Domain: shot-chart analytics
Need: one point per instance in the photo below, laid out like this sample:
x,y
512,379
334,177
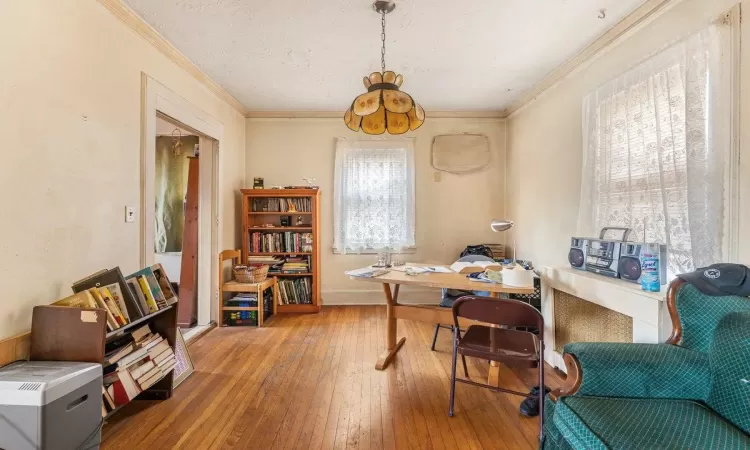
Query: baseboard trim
x,y
16,348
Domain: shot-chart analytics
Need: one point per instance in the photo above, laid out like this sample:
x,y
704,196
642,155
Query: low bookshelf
x,y
284,225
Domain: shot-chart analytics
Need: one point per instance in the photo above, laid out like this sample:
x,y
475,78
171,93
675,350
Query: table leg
x,y
392,347
493,375
259,302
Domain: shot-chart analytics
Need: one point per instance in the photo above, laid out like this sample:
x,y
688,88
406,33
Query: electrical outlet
x,y
130,214
437,176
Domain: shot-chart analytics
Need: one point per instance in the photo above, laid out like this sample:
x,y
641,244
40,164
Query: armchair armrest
x,y
635,371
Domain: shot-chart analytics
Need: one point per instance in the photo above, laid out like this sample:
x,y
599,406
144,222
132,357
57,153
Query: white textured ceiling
x,y
300,55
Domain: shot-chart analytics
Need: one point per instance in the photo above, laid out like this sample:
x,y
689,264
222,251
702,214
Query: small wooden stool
x,y
234,286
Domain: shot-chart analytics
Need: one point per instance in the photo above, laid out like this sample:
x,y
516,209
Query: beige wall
x,y
451,213
545,143
70,93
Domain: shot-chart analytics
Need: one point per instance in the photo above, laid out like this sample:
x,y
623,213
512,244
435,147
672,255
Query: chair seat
x,y
499,344
622,423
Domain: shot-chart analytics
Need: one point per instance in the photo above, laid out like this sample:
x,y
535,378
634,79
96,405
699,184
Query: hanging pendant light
x,y
384,107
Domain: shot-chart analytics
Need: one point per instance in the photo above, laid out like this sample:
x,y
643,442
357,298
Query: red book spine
x,y
119,395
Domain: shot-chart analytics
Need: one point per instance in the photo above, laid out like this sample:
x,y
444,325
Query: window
x,y
656,149
373,196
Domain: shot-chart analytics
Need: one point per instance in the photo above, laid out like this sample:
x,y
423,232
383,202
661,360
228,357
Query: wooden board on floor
x,y
307,381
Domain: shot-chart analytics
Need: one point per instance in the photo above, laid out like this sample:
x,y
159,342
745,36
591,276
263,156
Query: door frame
x,y
156,97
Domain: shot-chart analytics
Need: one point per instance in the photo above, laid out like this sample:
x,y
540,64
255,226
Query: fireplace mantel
x,y
651,323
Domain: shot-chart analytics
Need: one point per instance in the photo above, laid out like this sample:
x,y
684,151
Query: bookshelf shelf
x,y
271,222
239,308
278,213
278,253
130,326
292,309
277,229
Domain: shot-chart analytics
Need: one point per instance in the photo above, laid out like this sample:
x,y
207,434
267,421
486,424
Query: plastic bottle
x,y
650,268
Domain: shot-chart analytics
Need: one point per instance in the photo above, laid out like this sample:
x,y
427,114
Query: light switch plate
x,y
130,214
437,176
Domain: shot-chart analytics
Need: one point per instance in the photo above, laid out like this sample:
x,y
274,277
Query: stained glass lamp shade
x,y
384,107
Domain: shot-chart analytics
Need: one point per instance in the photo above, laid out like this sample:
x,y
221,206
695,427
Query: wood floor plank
x,y
309,382
291,426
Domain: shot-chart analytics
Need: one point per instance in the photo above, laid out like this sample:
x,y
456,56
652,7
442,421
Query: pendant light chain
x,y
382,38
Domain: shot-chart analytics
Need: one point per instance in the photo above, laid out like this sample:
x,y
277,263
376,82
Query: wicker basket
x,y
250,274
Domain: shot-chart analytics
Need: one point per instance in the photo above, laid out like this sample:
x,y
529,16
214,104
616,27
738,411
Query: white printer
x,y
50,405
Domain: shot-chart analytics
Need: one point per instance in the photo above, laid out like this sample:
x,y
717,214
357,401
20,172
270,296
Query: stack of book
x,y
243,299
290,205
295,265
280,242
124,299
141,360
152,288
297,291
267,260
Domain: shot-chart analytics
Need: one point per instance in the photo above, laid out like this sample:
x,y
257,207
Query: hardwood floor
x,y
309,382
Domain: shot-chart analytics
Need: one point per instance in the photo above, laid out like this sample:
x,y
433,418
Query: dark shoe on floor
x,y
530,405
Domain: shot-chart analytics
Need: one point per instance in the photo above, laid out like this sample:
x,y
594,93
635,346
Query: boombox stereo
x,y
613,258
630,262
603,257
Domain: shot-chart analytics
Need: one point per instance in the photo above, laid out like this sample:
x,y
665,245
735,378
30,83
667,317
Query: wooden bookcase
x,y
163,322
259,221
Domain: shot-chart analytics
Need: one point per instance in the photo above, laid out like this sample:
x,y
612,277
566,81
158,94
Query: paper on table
x,y
421,269
366,272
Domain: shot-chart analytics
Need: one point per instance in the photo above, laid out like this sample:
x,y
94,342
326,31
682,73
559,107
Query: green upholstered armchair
x,y
693,392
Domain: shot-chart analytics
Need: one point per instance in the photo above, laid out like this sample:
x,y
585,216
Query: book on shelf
x,y
267,260
276,242
113,281
166,286
141,368
124,299
296,291
139,296
155,287
141,333
108,403
281,204
112,323
137,363
166,354
117,354
112,305
146,290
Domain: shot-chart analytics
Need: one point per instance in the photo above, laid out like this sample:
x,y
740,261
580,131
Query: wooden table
x,y
427,313
234,286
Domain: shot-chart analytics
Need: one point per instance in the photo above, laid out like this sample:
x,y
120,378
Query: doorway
x,y
180,209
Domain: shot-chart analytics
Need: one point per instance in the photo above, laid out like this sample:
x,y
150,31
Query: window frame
x,y
406,144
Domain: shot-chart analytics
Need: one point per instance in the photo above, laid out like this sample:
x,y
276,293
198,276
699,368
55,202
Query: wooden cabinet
x,y
292,217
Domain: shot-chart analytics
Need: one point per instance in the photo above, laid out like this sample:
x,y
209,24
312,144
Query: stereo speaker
x,y
577,253
629,267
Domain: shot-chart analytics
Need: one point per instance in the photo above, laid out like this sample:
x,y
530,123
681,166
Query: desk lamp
x,y
500,225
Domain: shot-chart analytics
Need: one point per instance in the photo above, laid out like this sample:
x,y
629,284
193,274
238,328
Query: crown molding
x,y
340,114
644,14
134,21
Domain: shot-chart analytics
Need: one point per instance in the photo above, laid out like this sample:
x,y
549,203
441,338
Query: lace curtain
x,y
373,196
656,143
